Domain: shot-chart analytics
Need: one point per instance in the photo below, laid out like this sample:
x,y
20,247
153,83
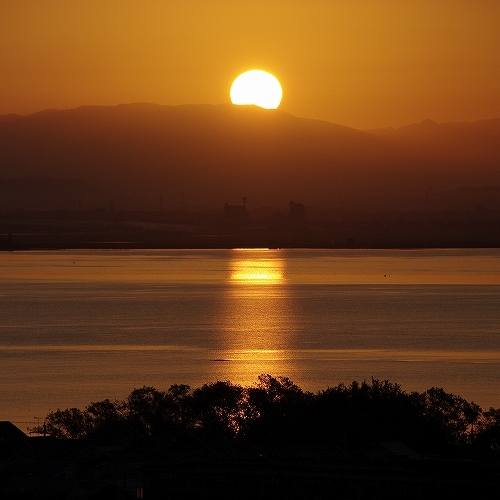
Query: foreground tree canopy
x,y
276,412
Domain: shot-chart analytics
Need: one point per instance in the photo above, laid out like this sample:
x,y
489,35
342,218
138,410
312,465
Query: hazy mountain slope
x,y
42,193
206,155
469,152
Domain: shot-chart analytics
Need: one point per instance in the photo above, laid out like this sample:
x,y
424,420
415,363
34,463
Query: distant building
x,y
235,212
296,211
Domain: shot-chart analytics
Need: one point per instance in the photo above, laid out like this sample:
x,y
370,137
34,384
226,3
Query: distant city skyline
x,y
376,63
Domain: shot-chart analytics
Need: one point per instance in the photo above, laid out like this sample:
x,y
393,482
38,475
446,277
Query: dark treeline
x,y
275,412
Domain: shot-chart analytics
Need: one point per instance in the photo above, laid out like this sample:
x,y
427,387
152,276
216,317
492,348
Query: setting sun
x,y
256,87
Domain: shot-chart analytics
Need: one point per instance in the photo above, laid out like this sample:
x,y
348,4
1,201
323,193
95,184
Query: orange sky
x,y
361,63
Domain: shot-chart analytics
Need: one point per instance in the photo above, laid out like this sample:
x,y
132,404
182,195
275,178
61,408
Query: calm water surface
x,y
80,326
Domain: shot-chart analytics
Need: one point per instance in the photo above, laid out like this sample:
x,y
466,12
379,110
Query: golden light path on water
x,y
261,269
258,320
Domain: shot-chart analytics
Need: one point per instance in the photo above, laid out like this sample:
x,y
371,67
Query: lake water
x,y
81,326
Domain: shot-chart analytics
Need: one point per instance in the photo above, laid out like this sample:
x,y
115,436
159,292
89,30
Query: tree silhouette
x,y
177,406
71,423
365,412
105,413
455,416
488,432
146,410
218,407
276,412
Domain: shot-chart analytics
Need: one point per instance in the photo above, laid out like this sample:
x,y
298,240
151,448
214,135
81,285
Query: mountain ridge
x,y
206,155
144,104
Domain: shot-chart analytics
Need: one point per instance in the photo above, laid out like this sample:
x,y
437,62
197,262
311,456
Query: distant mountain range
x,y
146,156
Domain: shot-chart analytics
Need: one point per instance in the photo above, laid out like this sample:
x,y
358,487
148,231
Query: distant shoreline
x,y
265,228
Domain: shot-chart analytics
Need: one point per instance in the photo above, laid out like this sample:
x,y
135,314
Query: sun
x,y
256,87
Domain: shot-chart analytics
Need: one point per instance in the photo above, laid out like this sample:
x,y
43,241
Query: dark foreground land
x,y
270,441
260,228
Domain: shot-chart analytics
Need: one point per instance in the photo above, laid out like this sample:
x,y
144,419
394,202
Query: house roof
x,y
9,433
387,450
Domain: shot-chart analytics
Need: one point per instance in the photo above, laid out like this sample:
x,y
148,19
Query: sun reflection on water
x,y
257,320
265,271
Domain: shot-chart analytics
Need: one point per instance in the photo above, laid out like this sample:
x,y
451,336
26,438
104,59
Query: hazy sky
x,y
361,63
